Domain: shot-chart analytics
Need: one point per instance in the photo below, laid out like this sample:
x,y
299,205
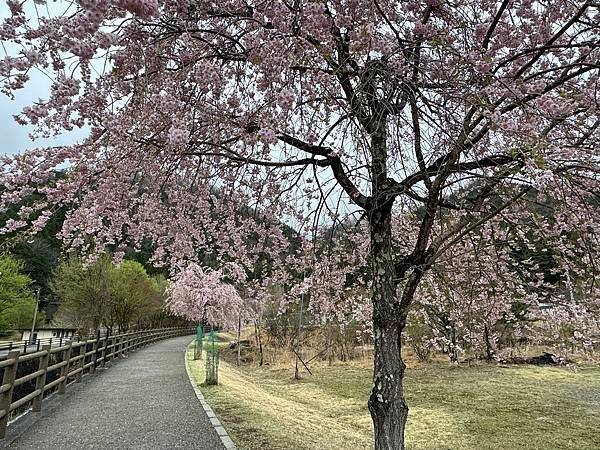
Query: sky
x,y
14,137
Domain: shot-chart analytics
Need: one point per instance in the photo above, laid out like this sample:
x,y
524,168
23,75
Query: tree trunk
x,y
298,336
386,402
239,337
329,343
453,350
388,408
258,342
488,345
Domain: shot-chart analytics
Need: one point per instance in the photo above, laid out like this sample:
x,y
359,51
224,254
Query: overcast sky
x,y
14,137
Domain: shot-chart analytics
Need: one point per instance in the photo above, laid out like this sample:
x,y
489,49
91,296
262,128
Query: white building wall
x,y
47,334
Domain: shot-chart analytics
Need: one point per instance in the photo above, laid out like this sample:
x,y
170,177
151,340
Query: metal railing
x,y
58,367
34,345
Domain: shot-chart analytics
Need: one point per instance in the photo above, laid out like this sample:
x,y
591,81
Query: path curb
x,y
216,423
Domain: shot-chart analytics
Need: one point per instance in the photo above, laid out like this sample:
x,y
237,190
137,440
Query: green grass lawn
x,y
479,407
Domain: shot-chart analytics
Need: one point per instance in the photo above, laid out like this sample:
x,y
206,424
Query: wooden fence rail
x,y
66,364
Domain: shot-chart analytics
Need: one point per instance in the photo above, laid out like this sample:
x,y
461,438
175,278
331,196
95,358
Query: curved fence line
x,y
30,377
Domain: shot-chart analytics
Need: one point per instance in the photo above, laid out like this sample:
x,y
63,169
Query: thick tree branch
x,y
336,167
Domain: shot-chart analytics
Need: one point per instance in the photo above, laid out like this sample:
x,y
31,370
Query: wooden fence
x,y
58,367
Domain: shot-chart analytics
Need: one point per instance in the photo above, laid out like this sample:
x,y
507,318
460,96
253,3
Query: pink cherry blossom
x,y
427,131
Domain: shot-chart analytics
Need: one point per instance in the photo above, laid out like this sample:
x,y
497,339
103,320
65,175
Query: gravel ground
x,y
142,402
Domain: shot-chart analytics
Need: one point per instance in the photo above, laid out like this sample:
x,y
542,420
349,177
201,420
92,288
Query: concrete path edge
x,y
216,423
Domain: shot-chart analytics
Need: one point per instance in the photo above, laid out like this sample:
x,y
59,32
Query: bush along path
x,y
143,402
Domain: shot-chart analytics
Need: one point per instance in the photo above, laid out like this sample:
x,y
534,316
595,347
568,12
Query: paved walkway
x,y
142,402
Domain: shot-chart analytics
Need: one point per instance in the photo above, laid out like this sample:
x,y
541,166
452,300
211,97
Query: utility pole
x,y
37,305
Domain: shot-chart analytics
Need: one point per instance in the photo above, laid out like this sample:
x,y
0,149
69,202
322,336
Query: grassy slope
x,y
484,407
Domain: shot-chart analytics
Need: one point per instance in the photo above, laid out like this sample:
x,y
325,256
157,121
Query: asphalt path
x,y
144,401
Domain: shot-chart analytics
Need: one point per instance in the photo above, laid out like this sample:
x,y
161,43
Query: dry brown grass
x,y
477,407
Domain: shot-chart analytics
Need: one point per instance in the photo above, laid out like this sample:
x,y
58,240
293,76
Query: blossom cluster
x,y
200,295
301,120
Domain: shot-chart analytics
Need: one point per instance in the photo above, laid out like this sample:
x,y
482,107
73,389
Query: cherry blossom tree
x,y
527,275
306,111
203,296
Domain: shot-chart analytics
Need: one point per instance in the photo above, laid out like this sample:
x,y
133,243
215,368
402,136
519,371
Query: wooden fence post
x,y
81,363
107,350
113,348
104,345
94,356
64,371
119,346
40,382
10,373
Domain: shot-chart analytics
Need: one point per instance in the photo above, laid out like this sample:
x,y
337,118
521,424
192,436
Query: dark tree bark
x,y
387,405
329,343
258,342
488,346
452,351
239,344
